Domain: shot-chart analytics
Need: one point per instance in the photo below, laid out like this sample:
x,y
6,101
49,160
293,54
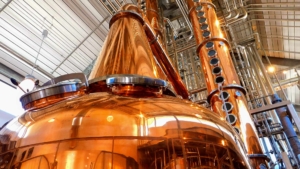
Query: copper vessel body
x,y
243,122
126,51
44,102
106,131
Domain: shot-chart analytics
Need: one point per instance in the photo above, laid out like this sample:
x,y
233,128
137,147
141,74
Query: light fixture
x,y
30,82
26,85
16,83
271,69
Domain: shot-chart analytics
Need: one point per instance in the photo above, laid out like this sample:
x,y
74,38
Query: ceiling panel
x,y
76,32
278,25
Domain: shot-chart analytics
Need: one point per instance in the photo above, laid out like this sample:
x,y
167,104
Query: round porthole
x,y
217,71
212,53
204,27
214,62
219,80
209,45
227,106
200,14
199,8
206,34
202,20
231,119
224,95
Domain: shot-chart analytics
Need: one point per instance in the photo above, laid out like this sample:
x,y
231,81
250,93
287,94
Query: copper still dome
x,y
102,130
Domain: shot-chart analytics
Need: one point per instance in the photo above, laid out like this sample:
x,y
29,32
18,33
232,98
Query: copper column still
x,y
222,81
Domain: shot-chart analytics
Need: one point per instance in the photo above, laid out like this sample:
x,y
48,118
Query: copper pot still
x,y
133,113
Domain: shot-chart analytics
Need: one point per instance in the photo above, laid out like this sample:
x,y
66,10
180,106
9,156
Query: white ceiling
x,y
278,23
76,31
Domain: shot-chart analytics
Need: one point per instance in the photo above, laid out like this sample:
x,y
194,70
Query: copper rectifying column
x,y
226,95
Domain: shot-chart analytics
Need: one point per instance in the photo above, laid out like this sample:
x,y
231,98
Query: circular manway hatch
x,y
55,90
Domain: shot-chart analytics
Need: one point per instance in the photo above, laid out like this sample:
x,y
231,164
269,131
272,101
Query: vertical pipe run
x,y
287,127
211,44
183,11
263,89
281,112
152,14
157,44
173,34
251,75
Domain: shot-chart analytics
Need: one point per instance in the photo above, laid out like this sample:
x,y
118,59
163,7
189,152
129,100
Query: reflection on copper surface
x,y
153,17
135,91
244,122
44,102
126,50
144,133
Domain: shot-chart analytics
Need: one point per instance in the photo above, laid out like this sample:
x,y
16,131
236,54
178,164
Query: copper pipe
x,y
153,17
165,63
154,32
220,76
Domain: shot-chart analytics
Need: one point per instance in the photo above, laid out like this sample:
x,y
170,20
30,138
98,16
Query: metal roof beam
x,y
282,61
14,53
80,43
5,6
8,72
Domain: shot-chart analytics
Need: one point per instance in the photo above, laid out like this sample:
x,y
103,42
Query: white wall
x,y
5,117
10,105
